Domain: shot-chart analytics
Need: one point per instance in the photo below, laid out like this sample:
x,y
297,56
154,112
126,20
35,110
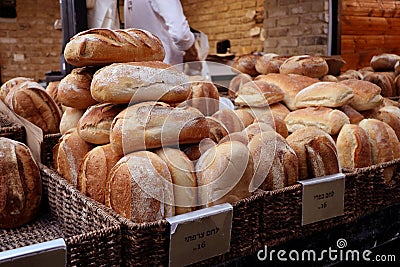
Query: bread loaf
x,y
350,74
384,61
397,68
258,93
230,120
70,119
32,102
95,47
123,83
204,97
275,162
354,116
391,116
269,63
256,128
329,78
316,152
246,64
74,89
94,170
385,82
183,178
217,130
95,124
140,188
224,174
237,136
194,151
52,90
366,94
12,84
335,64
353,147
68,155
245,117
153,125
20,184
275,122
307,65
237,82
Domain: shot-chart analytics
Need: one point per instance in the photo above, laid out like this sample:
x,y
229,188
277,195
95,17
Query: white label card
x,y
323,198
52,253
200,235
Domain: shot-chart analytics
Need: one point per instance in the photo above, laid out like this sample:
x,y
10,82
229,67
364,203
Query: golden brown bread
x,y
275,162
367,95
307,65
269,63
153,125
217,129
11,85
140,188
52,90
20,184
224,174
245,117
237,136
328,78
31,101
391,116
95,124
74,89
353,147
183,177
384,61
70,119
316,152
275,122
236,82
204,96
384,81
256,128
258,93
354,116
230,120
194,151
123,83
104,46
94,170
279,110
245,64
350,74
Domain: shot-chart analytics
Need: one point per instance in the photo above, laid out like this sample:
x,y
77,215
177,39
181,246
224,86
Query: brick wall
x,y
29,44
228,19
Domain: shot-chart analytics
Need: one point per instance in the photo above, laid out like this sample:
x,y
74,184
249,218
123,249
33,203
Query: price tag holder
x,y
52,253
200,235
323,198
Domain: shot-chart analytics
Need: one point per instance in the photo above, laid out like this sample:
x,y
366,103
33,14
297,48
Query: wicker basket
x,y
93,237
49,141
11,130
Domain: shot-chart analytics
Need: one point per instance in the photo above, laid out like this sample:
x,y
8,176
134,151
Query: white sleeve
x,y
178,27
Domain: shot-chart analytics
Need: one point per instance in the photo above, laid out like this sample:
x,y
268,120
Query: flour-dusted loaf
x,y
204,96
307,65
70,119
96,47
11,85
367,95
123,83
258,93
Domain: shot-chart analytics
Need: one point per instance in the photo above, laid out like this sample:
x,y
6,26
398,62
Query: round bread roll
x,y
258,93
384,61
275,122
217,129
237,136
316,152
31,101
194,151
153,125
123,83
74,89
324,94
354,116
275,162
68,155
353,147
245,117
279,110
105,46
391,116
20,184
11,85
385,82
52,90
237,82
183,177
95,124
307,65
256,128
328,78
269,63
350,74
384,144
327,119
255,112
230,120
94,170
366,94
140,188
365,71
204,97
70,119
224,174
335,64
246,64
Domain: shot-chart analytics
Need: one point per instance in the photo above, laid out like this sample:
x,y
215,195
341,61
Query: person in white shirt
x,y
165,19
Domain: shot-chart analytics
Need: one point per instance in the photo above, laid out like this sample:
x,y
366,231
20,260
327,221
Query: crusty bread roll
x,y
31,101
353,147
245,117
194,151
94,170
11,85
256,128
385,61
52,90
307,65
230,120
246,64
329,78
275,162
335,64
224,174
204,96
354,116
105,46
153,125
366,94
391,116
275,122
384,143
258,93
291,84
350,74
95,124
324,94
140,188
397,84
183,177
123,83
237,136
279,110
397,68
269,63
327,119
217,129
20,186
68,155
70,119
236,82
385,82
316,152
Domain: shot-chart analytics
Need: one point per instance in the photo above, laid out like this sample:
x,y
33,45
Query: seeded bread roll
x,y
70,119
123,83
366,94
20,184
311,66
105,46
140,188
258,93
